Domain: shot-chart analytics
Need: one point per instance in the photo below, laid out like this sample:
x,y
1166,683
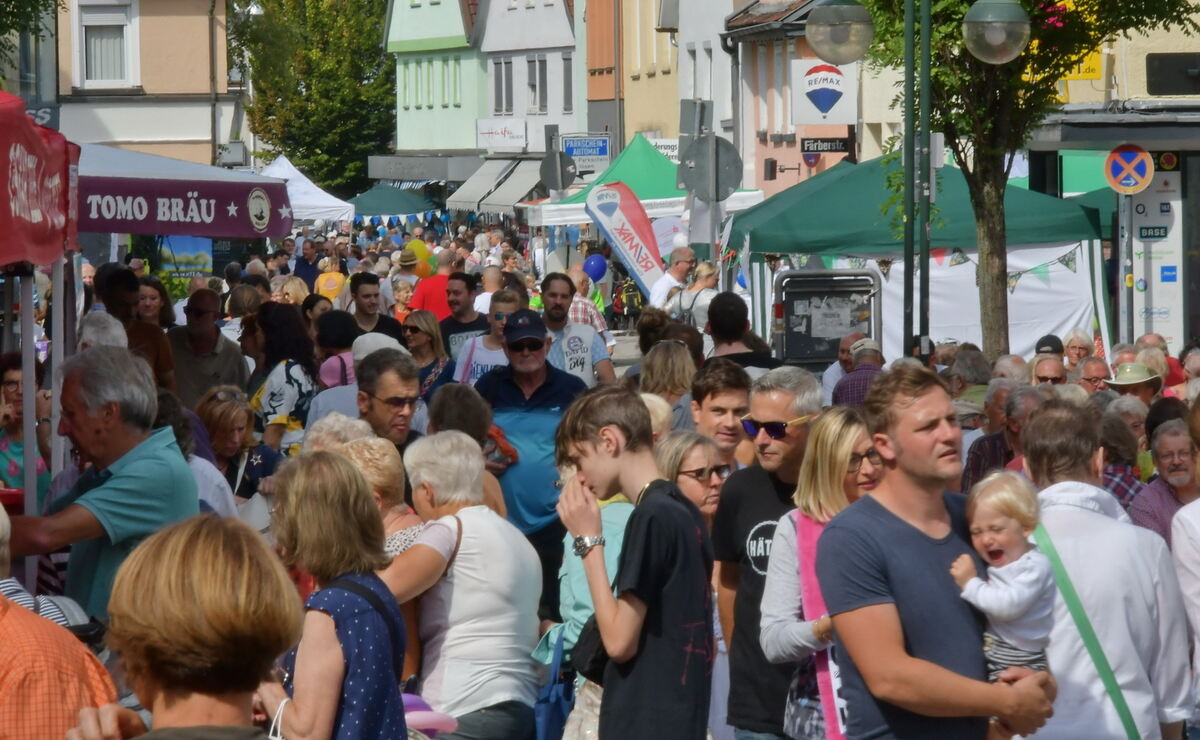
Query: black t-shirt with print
x,y
752,501
455,333
662,693
389,326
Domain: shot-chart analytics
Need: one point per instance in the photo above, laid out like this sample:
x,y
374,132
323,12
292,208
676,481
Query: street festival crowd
x,y
388,487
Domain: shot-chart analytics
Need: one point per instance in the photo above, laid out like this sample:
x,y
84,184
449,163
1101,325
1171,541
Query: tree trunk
x,y
987,199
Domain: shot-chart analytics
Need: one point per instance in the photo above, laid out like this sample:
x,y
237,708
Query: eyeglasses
x,y
398,402
526,345
774,429
498,316
11,385
230,396
1057,380
1099,380
197,312
410,329
705,473
856,460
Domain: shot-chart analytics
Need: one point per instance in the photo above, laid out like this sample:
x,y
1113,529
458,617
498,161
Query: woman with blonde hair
x,y
425,343
226,415
840,465
343,679
199,614
294,290
380,463
667,371
690,305
1077,347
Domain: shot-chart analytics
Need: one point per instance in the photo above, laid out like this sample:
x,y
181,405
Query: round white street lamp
x,y
839,31
996,31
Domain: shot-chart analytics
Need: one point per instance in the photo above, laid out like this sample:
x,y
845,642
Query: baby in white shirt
x,y
1018,595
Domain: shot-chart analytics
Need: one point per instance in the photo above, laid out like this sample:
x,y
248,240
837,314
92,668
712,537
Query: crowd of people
x,y
331,497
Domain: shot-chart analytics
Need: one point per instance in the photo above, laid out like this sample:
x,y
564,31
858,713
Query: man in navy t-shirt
x,y
909,648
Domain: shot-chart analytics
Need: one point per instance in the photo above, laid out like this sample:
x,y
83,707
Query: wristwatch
x,y
584,544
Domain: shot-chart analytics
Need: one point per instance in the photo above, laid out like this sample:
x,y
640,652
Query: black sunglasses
x,y
774,429
398,402
409,329
526,345
703,474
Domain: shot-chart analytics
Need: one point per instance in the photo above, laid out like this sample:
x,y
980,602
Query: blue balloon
x,y
595,267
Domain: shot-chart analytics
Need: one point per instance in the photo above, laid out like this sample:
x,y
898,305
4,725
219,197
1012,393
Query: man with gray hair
x,y
1175,487
675,276
139,481
783,402
1012,367
1121,354
868,362
998,450
99,329
1125,583
1093,374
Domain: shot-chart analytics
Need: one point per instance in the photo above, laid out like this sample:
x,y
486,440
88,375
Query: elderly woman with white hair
x,y
1077,347
481,581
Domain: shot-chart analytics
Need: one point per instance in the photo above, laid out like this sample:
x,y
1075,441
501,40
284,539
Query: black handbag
x,y
588,657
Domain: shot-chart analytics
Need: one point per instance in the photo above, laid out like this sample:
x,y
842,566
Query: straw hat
x,y
408,258
1135,373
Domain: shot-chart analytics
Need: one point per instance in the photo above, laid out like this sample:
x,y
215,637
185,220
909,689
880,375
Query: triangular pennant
x,y
829,261
958,257
802,260
1068,260
1013,277
939,255
885,267
1041,272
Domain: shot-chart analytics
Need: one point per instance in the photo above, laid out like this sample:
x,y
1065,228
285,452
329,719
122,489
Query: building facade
x,y
151,76
649,67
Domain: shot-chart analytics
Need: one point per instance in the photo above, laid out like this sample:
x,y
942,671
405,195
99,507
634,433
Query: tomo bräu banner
x,y
621,218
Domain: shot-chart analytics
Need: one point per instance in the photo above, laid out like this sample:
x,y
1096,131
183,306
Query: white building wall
x,y
149,121
704,68
525,105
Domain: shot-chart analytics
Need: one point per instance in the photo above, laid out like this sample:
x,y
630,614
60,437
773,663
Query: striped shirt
x,y
43,606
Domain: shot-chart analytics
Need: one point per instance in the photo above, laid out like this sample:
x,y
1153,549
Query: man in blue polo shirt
x,y
139,481
528,397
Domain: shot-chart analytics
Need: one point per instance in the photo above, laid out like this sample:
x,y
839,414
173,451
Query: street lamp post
x,y
994,31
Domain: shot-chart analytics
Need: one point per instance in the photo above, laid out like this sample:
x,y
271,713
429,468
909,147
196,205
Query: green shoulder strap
x,y
1080,617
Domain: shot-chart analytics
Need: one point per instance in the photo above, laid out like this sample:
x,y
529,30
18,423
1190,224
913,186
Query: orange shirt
x,y
46,676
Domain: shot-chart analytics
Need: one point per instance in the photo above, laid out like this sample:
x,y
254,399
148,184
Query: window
x,y
445,63
429,82
568,84
536,83
695,71
417,90
502,87
405,84
107,44
456,83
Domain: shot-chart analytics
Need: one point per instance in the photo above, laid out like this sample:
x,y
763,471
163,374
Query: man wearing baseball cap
x,y
868,361
528,398
1049,345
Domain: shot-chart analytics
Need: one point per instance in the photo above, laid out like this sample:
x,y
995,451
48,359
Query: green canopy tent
x,y
842,211
385,200
1104,200
649,173
843,218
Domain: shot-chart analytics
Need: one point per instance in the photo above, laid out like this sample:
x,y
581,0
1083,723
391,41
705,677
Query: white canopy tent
x,y
545,213
309,202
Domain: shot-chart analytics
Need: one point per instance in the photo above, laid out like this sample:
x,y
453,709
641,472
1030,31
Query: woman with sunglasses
x,y
290,368
482,353
225,413
425,343
693,462
840,465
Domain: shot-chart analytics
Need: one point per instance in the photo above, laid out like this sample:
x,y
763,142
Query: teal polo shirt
x,y
147,489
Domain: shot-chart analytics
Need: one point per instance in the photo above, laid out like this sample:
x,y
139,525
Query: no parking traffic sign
x,y
1129,169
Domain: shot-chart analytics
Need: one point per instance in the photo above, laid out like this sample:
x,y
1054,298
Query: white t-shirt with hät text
x,y
475,359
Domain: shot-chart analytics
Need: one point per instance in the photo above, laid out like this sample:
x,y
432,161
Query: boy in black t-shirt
x,y
658,630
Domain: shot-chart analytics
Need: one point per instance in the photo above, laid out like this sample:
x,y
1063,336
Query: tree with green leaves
x,y
323,85
33,17
987,112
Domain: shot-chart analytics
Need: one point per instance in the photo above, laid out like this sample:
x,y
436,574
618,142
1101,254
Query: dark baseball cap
x,y
1049,344
524,324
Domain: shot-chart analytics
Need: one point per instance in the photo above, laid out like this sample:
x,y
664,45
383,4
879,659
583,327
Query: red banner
x,y
34,165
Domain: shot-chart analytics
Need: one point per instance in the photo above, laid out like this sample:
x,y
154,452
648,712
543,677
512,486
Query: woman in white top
x,y
481,581
691,304
480,354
